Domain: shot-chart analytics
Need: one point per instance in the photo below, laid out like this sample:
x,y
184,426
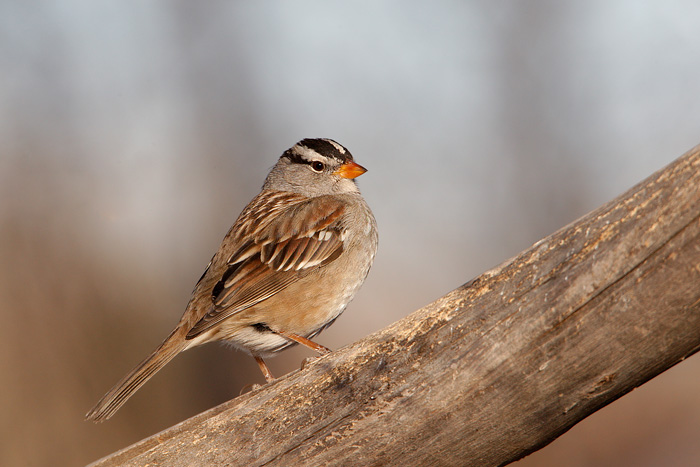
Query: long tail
x,y
128,385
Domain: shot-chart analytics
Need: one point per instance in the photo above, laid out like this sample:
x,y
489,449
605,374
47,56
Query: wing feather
x,y
282,247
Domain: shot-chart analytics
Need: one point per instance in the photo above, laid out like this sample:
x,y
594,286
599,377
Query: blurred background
x,y
133,133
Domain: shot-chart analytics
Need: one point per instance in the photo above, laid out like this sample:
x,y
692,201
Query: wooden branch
x,y
493,370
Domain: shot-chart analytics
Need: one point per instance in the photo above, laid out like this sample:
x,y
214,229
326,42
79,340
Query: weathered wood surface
x,y
493,370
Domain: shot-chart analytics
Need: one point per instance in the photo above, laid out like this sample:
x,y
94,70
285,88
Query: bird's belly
x,y
306,311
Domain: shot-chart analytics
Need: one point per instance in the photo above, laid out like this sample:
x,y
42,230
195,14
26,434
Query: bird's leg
x,y
265,370
304,341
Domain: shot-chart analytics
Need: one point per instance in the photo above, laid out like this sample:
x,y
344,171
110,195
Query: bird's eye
x,y
317,166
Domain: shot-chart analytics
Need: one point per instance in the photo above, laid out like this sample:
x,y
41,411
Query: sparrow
x,y
284,272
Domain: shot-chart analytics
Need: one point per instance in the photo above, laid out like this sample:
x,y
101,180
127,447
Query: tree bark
x,y
492,371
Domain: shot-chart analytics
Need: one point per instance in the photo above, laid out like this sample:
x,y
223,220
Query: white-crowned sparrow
x,y
285,271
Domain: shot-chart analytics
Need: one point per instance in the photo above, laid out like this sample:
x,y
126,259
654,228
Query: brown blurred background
x,y
132,133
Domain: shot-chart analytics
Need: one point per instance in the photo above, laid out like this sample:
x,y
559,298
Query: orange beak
x,y
350,170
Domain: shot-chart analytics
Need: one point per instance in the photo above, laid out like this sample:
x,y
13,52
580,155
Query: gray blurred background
x,y
132,134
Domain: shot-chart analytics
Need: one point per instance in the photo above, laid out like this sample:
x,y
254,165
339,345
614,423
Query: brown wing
x,y
280,249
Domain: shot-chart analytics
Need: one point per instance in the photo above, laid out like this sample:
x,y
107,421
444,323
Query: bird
x,y
287,268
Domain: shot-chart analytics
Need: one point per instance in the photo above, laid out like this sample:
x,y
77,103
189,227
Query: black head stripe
x,y
324,147
293,156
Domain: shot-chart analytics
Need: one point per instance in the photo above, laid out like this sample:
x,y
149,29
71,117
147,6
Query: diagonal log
x,y
492,371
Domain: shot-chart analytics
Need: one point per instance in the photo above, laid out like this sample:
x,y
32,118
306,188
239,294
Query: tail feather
x,y
129,384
